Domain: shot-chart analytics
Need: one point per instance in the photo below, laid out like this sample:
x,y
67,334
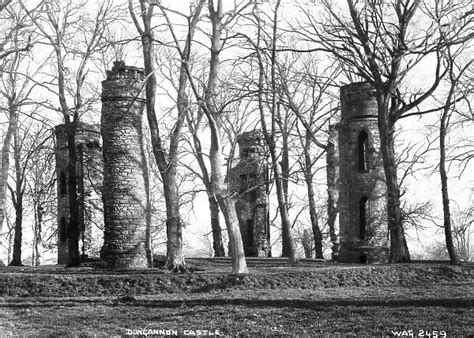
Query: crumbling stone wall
x,y
362,190
249,179
89,180
124,186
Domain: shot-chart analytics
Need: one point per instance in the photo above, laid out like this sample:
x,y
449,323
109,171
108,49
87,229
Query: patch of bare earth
x,y
313,298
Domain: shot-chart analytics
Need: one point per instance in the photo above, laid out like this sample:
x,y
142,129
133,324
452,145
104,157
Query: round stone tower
x,y
251,175
362,191
89,159
123,192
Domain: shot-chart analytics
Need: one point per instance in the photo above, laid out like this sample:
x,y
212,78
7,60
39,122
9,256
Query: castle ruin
x,y
357,164
123,193
361,184
88,173
249,178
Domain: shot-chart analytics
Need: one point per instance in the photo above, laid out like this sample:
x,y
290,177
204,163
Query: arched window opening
x,y
63,229
62,183
363,215
362,150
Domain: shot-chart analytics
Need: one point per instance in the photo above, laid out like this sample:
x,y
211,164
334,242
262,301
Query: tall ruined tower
x,y
361,185
251,174
123,193
88,171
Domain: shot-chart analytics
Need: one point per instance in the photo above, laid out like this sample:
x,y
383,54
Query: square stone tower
x,y
249,178
89,180
361,184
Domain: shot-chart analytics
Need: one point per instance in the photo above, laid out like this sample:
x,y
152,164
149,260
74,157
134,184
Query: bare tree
x,y
270,96
219,21
167,159
236,117
40,191
13,47
381,44
463,232
307,95
57,23
226,202
25,148
17,200
456,92
194,123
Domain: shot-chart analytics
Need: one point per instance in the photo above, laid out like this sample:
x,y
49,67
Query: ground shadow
x,y
246,302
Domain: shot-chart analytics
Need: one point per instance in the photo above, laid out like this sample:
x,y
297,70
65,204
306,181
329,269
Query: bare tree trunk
x,y
225,201
285,157
219,187
285,174
308,175
148,229
443,130
331,179
16,258
17,198
148,225
227,205
5,162
453,257
217,242
4,174
174,227
33,246
398,247
10,246
175,257
38,237
318,236
285,218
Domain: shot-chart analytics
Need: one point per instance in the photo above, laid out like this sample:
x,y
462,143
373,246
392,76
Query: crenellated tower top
x,y
358,100
120,70
251,142
124,83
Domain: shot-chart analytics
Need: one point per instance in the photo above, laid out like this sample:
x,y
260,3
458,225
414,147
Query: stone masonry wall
x,y
252,207
359,114
89,168
124,187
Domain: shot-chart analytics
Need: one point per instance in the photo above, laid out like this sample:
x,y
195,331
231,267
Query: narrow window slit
x,y
363,155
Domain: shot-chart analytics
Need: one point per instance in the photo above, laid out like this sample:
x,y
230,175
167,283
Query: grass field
x,y
275,298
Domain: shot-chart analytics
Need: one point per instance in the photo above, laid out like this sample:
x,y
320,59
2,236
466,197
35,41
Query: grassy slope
x,y
311,299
